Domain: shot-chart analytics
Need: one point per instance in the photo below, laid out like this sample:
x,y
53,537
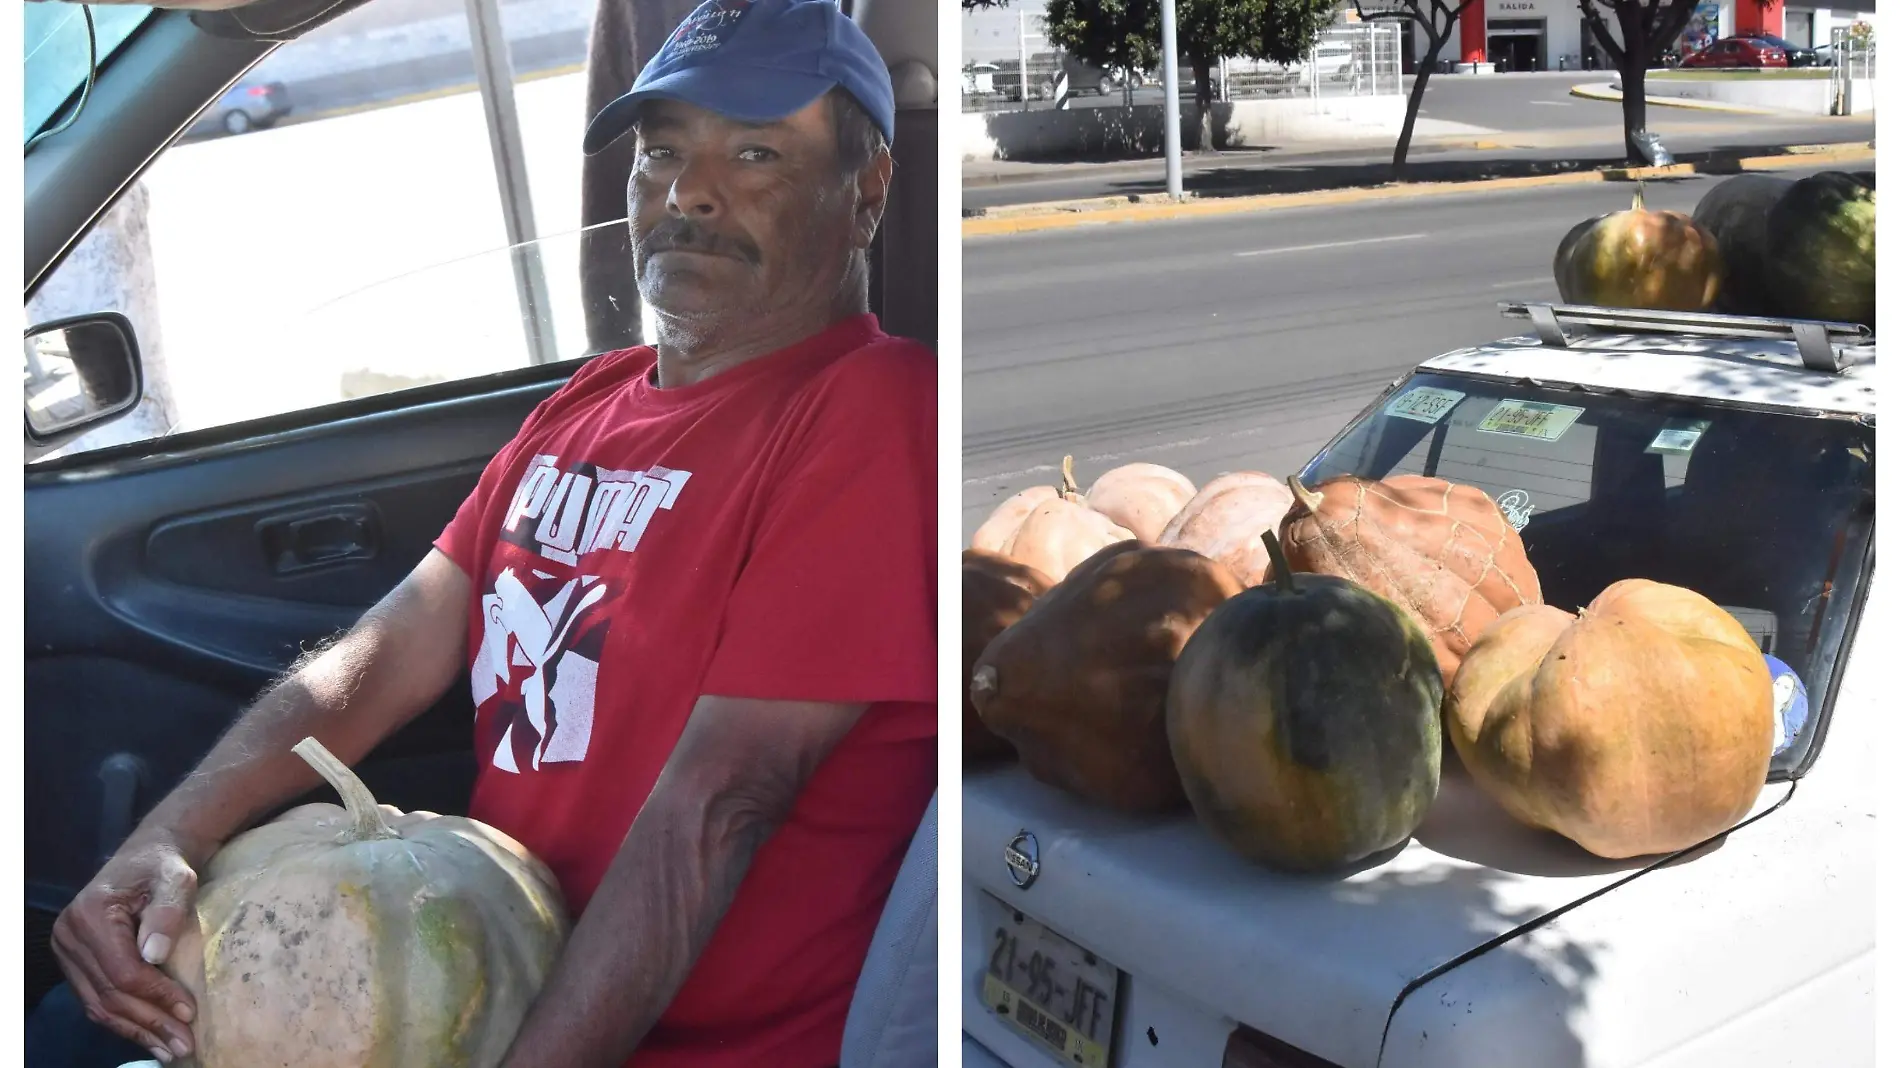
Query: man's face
x,y
738,217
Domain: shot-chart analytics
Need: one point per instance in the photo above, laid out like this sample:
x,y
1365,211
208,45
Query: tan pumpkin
x,y
359,936
1003,523
996,593
1141,497
1079,685
1062,532
1442,550
1225,519
1642,725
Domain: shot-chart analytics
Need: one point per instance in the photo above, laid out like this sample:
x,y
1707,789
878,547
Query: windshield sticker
x,y
1517,507
1791,703
1426,404
1530,419
1678,437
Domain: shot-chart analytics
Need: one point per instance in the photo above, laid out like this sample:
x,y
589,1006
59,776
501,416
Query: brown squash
x,y
1063,531
1639,259
1079,685
996,593
1225,519
1141,497
1643,725
1442,550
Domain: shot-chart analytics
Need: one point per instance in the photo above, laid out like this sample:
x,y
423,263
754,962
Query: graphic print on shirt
x,y
542,633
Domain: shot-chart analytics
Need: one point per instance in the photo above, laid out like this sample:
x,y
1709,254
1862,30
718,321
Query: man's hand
x,y
114,933
732,779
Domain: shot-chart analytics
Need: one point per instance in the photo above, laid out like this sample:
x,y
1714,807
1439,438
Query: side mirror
x,y
80,373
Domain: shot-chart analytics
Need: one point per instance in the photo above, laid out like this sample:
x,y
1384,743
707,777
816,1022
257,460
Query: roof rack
x,y
1814,339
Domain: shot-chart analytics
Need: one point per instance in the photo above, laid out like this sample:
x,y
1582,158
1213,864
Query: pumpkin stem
x,y
1309,499
1282,571
367,822
1636,204
982,685
1070,488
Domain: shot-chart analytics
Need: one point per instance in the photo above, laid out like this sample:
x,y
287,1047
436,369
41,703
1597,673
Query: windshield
x,y
56,55
1769,515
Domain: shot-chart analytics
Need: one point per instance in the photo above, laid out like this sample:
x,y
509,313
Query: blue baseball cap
x,y
756,61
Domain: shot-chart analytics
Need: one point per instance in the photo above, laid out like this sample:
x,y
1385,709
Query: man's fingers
x,y
173,887
96,1011
122,986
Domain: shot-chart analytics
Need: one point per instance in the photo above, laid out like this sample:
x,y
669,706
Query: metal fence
x,y
1851,58
1354,59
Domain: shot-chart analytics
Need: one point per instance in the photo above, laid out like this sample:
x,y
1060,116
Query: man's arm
x,y
396,662
733,778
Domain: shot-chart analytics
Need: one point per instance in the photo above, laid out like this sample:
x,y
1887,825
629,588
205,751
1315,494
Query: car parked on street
x,y
1731,456
244,107
1737,53
1797,55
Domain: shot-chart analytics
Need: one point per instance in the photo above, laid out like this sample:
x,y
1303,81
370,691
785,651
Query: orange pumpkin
x,y
1063,531
1141,497
1642,725
1443,551
1225,519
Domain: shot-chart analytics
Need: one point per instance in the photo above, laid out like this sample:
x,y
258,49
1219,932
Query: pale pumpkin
x,y
1062,532
1141,497
1442,550
1003,523
1079,685
1643,725
996,593
1225,519
363,936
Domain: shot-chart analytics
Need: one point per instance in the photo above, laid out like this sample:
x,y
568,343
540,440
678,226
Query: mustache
x,y
689,236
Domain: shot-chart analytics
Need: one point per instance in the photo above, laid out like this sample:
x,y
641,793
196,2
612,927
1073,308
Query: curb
x,y
1029,218
1609,92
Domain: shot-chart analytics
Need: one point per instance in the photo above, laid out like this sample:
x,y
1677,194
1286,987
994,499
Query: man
x,y
694,595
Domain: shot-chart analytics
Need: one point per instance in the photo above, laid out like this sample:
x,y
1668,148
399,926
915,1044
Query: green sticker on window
x,y
1530,419
1678,437
1426,404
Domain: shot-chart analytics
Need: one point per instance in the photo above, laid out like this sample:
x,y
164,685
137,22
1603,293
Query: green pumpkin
x,y
1821,243
1304,720
1639,258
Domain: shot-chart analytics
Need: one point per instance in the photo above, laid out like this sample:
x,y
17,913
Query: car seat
x,y
892,1022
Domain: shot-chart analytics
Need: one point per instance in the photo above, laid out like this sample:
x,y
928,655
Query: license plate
x,y
1061,995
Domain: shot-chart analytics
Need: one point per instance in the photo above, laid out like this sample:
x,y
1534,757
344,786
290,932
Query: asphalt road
x,y
1238,342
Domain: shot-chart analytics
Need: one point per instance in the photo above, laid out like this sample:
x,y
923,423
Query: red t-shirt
x,y
766,533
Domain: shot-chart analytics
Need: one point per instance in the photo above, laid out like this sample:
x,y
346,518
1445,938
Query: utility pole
x,y
1171,105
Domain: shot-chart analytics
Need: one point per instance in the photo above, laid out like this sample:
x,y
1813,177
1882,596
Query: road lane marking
x,y
1555,103
1539,280
1329,244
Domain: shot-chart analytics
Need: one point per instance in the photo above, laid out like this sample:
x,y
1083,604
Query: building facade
x,y
1553,34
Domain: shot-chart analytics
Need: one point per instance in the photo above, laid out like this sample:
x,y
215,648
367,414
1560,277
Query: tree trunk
x,y
1636,51
1204,100
1417,99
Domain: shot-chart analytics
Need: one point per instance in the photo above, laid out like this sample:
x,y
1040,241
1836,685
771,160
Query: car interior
x,y
168,582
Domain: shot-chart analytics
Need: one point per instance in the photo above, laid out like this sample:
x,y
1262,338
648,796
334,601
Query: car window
x,y
332,227
1766,514
57,58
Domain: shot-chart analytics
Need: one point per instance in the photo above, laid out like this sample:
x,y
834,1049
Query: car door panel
x,y
157,605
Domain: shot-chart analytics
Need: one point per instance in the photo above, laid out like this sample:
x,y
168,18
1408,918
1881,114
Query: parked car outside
x,y
244,107
1739,53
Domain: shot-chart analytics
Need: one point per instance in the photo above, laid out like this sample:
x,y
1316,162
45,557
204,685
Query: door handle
x,y
322,537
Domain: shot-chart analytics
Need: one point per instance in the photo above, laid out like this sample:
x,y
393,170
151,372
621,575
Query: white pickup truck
x,y
1732,456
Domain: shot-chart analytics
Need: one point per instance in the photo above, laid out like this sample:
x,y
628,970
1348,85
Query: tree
x,y
1648,28
1437,18
1103,32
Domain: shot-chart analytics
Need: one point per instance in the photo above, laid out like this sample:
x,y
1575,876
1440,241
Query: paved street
x,y
1243,341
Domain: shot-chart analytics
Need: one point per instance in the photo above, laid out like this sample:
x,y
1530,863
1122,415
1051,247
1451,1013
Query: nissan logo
x,y
1021,856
